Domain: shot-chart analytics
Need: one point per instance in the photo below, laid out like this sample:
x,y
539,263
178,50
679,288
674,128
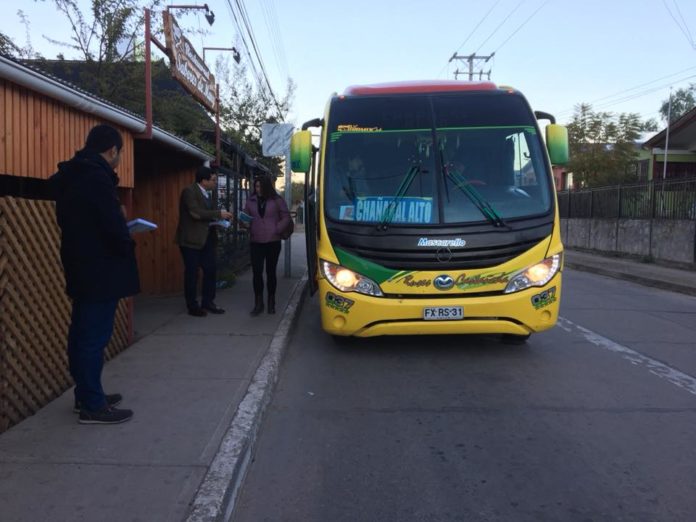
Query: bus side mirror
x,y
301,151
557,143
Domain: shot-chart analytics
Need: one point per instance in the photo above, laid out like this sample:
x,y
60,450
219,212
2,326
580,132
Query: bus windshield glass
x,y
434,159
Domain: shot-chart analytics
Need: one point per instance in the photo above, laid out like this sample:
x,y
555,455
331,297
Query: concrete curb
x,y
216,496
656,283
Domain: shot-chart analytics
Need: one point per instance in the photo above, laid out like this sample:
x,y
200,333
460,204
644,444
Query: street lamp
x,y
235,53
209,15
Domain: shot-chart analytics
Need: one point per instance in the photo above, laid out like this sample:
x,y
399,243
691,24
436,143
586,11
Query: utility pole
x,y
669,122
471,59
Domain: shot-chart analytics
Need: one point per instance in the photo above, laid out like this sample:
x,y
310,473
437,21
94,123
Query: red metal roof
x,y
414,87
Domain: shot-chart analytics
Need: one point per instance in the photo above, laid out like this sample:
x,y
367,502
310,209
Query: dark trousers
x,y
90,330
267,253
205,259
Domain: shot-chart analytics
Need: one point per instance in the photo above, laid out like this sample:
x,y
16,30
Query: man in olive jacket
x,y
197,240
98,256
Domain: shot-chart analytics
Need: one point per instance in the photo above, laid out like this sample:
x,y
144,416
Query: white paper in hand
x,y
220,223
140,225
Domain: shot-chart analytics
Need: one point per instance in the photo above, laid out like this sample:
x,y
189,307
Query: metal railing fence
x,y
657,199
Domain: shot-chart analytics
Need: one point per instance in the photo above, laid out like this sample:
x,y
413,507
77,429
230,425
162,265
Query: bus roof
x,y
415,87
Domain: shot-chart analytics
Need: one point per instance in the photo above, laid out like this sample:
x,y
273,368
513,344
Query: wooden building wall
x,y
36,133
35,312
160,176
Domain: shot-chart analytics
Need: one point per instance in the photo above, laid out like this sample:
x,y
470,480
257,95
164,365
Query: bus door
x,y
310,220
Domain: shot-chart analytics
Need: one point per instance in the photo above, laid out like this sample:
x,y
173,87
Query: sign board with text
x,y
187,67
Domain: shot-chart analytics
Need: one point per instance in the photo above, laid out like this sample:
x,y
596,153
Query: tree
x,y
244,108
683,100
107,43
10,48
109,34
603,146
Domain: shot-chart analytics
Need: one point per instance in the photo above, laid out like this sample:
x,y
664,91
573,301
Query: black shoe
x,y
271,304
113,399
258,306
213,309
197,312
107,415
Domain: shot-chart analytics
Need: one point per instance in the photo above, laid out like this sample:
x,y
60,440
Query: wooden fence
x,y
34,311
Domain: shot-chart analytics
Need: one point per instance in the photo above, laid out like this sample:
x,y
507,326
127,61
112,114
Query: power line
x,y
686,26
470,34
250,61
521,26
250,31
500,25
276,25
625,91
684,31
643,93
261,77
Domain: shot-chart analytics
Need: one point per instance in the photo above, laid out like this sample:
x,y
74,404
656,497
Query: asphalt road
x,y
593,420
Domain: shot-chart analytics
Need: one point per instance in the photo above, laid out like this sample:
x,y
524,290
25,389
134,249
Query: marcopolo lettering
x,y
456,242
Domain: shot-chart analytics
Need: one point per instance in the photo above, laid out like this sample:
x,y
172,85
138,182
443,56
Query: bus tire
x,y
515,339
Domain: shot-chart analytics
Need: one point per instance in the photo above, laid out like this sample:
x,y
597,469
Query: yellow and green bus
x,y
430,208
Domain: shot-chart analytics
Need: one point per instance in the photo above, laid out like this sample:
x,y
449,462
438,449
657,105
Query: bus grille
x,y
428,259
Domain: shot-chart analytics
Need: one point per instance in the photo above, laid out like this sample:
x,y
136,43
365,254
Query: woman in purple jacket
x,y
270,218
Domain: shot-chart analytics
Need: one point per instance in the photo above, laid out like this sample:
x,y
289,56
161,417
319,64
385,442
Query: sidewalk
x,y
184,378
197,386
648,274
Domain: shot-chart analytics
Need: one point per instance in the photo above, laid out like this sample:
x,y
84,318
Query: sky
x,y
618,55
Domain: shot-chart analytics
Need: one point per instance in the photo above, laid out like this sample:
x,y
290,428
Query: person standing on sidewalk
x,y
270,217
197,239
98,256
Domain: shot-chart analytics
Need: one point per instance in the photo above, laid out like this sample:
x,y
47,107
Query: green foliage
x,y
683,100
110,31
107,41
7,46
244,109
297,191
603,146
12,48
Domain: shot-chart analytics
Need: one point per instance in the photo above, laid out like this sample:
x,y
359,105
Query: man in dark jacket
x,y
98,258
197,238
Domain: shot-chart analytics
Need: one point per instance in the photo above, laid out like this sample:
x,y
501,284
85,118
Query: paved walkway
x,y
184,378
648,274
198,387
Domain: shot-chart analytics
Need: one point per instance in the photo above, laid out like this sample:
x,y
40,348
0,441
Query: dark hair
x,y
204,173
267,189
103,137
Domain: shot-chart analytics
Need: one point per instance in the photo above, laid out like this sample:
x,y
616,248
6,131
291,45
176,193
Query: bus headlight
x,y
535,275
346,280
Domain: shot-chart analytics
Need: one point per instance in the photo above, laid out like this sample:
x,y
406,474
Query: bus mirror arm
x,y
541,115
316,122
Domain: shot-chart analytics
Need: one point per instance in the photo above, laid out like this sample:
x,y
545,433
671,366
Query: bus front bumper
x,y
522,313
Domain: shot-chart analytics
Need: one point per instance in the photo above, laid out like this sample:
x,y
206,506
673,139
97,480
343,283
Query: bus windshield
x,y
434,159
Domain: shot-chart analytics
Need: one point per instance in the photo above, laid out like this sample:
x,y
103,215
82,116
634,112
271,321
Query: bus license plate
x,y
443,313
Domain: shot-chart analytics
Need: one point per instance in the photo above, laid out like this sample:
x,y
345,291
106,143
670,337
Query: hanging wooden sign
x,y
187,67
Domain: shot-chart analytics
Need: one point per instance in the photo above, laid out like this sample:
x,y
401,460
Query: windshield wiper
x,y
390,211
475,197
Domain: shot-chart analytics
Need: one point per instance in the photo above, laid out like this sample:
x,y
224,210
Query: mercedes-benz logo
x,y
443,282
443,255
